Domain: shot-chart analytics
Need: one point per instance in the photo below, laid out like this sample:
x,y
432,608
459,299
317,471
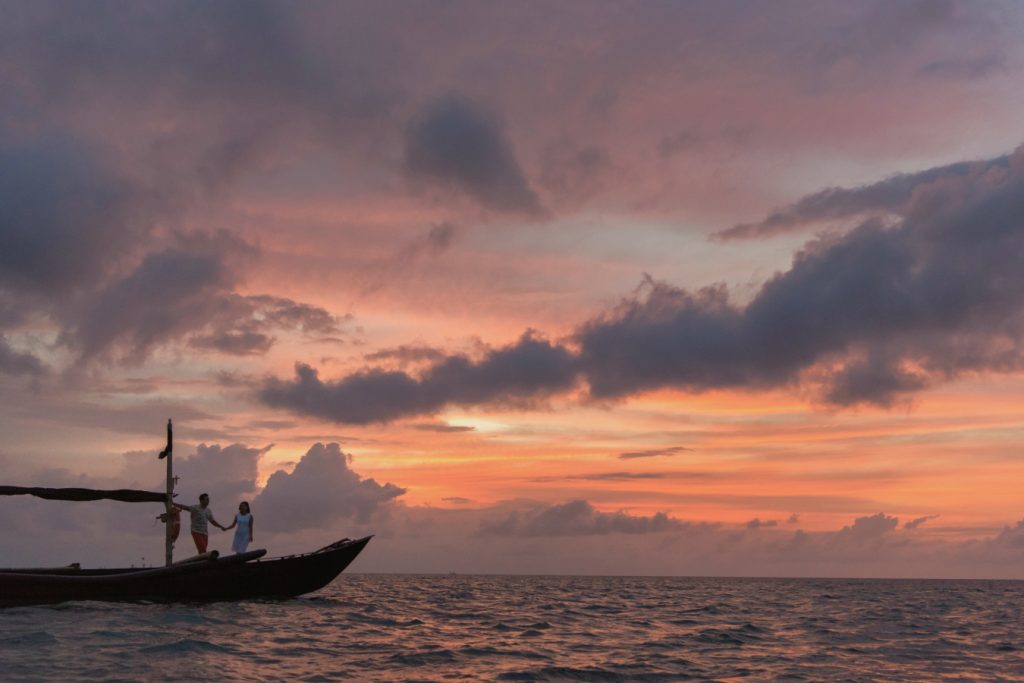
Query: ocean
x,y
539,628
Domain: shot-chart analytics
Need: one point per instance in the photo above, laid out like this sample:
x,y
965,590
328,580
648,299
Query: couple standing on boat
x,y
202,516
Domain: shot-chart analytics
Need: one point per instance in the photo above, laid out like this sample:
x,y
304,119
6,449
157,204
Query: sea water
x,y
539,628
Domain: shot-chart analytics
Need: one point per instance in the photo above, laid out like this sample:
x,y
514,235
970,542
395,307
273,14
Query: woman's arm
x,y
233,523
252,521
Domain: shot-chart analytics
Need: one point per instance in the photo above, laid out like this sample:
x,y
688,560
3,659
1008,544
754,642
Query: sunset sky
x,y
715,288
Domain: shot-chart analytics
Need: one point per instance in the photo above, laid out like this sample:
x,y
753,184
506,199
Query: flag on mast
x,y
167,451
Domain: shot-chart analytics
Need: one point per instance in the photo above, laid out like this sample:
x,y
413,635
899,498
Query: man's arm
x,y
216,523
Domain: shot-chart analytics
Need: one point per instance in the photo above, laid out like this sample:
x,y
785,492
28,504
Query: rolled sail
x,y
76,494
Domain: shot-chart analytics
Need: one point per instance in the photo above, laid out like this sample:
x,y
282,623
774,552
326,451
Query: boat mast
x,y
168,538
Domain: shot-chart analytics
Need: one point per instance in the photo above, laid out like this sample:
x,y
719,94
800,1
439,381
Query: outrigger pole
x,y
169,502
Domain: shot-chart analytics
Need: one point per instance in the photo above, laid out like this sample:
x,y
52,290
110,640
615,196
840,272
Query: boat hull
x,y
235,577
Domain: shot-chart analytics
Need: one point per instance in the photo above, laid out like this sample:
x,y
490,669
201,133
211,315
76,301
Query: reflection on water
x,y
392,628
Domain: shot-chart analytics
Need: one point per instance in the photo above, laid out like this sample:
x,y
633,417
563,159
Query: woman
x,y
243,534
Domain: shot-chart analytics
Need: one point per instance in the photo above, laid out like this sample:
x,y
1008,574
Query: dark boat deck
x,y
233,577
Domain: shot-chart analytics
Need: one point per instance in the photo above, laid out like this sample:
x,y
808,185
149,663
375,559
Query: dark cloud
x,y
915,523
871,315
93,185
572,173
65,216
868,529
234,343
890,196
18,362
457,500
1010,537
758,523
884,28
248,64
876,379
169,294
276,425
440,236
868,316
436,241
407,354
654,452
242,324
522,373
443,428
320,490
576,518
282,313
184,291
966,68
454,142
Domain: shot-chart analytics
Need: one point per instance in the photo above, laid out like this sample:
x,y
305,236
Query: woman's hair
x,y
246,504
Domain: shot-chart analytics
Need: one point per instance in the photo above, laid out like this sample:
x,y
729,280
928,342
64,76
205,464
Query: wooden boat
x,y
231,577
204,578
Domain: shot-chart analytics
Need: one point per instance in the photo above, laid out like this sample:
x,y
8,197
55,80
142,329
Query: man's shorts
x,y
201,541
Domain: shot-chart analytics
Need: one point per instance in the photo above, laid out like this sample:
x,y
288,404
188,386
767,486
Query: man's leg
x,y
201,540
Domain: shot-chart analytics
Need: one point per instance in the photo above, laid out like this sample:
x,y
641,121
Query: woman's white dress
x,y
243,523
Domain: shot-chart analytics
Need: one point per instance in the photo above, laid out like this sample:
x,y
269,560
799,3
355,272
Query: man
x,y
201,515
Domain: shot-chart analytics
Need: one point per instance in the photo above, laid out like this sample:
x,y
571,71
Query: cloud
x,y
521,373
241,326
407,354
284,313
758,523
443,428
890,196
970,68
1010,537
18,362
453,142
868,529
440,236
915,523
227,473
65,215
320,490
876,379
234,343
870,315
572,173
866,317
166,296
654,452
435,242
181,291
576,518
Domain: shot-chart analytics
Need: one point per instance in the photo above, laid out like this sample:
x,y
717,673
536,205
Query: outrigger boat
x,y
207,577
